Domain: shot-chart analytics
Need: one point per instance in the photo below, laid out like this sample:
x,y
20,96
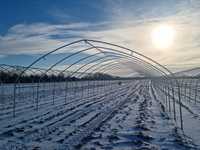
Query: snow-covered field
x,y
121,117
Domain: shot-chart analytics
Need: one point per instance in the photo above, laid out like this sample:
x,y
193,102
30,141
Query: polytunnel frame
x,y
73,64
114,64
168,96
110,63
59,73
86,64
66,69
134,58
168,89
168,72
116,53
97,64
104,66
184,83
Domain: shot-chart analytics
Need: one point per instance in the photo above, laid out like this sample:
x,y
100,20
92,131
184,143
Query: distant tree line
x,y
12,77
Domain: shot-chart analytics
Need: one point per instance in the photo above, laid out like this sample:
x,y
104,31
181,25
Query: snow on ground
x,y
54,124
122,118
141,124
191,118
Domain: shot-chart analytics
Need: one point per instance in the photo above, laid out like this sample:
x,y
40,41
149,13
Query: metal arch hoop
x,y
168,72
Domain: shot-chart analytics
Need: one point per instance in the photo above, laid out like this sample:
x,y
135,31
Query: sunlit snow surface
x,y
123,117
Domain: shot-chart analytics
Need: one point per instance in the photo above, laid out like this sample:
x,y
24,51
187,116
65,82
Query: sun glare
x,y
163,36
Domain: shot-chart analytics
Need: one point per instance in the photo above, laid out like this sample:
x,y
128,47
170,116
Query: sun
x,y
163,36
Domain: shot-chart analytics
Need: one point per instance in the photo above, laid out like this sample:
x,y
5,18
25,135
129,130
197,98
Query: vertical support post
x,y
166,104
69,89
54,92
185,91
196,90
104,85
66,91
94,86
82,89
190,90
75,88
169,99
14,99
37,96
174,103
88,89
180,105
33,95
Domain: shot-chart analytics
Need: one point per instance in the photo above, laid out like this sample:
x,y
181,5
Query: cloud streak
x,y
123,28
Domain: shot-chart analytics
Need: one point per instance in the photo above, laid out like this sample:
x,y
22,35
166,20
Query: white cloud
x,y
2,56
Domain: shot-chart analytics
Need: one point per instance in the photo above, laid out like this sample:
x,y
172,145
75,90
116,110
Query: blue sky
x,y
49,11
30,28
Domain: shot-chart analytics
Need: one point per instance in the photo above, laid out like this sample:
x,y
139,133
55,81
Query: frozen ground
x,y
141,124
122,118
